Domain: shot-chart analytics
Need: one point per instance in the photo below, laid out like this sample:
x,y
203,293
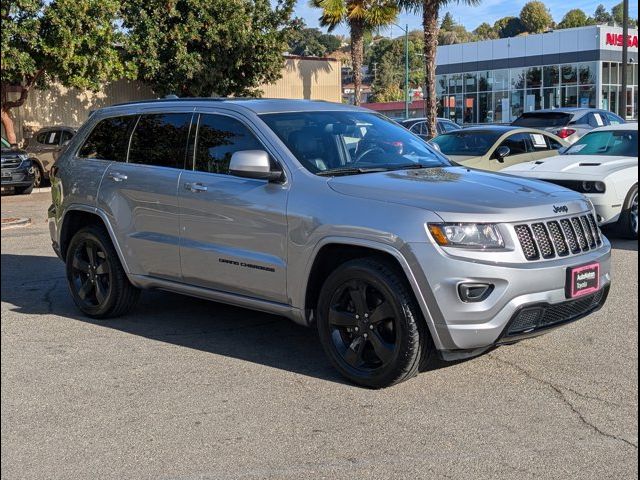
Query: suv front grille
x,y
569,236
11,163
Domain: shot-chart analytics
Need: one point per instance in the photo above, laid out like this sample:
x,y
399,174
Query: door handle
x,y
195,187
117,177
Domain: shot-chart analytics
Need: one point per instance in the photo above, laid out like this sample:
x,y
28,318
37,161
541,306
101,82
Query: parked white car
x,y
603,165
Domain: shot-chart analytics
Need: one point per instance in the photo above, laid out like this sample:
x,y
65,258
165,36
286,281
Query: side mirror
x,y
253,164
502,153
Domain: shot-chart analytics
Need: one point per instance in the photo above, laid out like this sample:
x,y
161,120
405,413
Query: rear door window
x,y
53,137
596,120
109,139
160,140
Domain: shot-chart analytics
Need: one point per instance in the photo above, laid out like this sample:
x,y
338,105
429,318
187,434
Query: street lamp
x,y
407,98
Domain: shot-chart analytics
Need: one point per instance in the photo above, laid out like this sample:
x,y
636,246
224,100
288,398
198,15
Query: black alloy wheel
x,y
98,283
369,324
90,274
363,325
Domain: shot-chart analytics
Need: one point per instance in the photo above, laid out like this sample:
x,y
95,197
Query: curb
x,y
8,223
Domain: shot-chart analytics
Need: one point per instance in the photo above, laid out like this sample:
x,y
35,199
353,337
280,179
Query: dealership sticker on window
x,y
538,140
52,137
599,120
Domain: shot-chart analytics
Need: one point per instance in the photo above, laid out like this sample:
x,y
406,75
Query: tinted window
x,y
466,142
160,140
41,137
543,120
219,137
596,120
450,126
108,140
66,135
554,144
517,143
53,137
614,119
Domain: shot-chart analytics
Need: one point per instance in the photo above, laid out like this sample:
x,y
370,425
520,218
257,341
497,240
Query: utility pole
x,y
625,57
407,96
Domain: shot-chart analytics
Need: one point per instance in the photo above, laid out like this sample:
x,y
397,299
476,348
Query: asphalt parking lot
x,y
188,389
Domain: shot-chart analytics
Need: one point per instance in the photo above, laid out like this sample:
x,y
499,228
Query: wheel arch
x,y
78,216
331,252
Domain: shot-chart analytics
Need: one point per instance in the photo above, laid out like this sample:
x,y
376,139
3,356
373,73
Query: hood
x,y
12,153
573,166
459,194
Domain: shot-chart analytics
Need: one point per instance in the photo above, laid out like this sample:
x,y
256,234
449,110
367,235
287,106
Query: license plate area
x,y
583,280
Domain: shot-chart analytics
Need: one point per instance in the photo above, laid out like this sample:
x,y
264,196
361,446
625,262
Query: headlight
x,y
467,235
594,187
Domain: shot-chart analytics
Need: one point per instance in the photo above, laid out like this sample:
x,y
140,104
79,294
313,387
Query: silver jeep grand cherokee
x,y
327,214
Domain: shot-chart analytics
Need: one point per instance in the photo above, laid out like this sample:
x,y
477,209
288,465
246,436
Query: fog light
x,y
474,292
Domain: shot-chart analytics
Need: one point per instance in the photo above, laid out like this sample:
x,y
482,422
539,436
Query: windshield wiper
x,y
350,171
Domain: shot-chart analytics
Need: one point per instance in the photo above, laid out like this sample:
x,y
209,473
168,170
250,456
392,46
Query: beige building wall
x,y
302,78
309,79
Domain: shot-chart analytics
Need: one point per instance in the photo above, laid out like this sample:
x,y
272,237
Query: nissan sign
x,y
616,40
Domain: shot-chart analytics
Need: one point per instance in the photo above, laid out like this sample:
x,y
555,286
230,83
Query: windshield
x,y
543,120
619,143
466,143
346,143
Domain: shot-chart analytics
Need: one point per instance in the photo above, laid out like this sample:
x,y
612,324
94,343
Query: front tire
x,y
628,223
369,324
98,284
24,190
38,176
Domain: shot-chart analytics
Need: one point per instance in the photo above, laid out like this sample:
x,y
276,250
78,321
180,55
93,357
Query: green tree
x,y
484,31
385,59
361,16
509,27
575,18
208,47
73,42
430,13
601,16
617,13
447,22
535,17
452,32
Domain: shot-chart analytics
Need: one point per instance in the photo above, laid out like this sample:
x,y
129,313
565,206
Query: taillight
x,y
566,132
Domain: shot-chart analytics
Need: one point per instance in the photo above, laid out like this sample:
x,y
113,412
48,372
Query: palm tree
x,y
361,16
430,13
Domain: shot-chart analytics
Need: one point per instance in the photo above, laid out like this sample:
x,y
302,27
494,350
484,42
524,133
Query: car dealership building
x,y
497,80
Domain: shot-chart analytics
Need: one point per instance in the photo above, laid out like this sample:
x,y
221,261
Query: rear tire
x,y
98,284
369,324
628,222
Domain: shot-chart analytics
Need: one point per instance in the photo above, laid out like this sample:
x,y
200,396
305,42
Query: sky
x,y
488,11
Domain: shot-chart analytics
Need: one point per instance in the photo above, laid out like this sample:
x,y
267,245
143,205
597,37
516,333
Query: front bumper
x,y
17,177
608,208
475,327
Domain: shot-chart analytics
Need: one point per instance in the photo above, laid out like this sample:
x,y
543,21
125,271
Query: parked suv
x,y
45,147
17,169
328,214
568,123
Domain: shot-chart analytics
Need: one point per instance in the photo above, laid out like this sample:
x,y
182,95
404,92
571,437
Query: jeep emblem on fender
x,y
562,209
